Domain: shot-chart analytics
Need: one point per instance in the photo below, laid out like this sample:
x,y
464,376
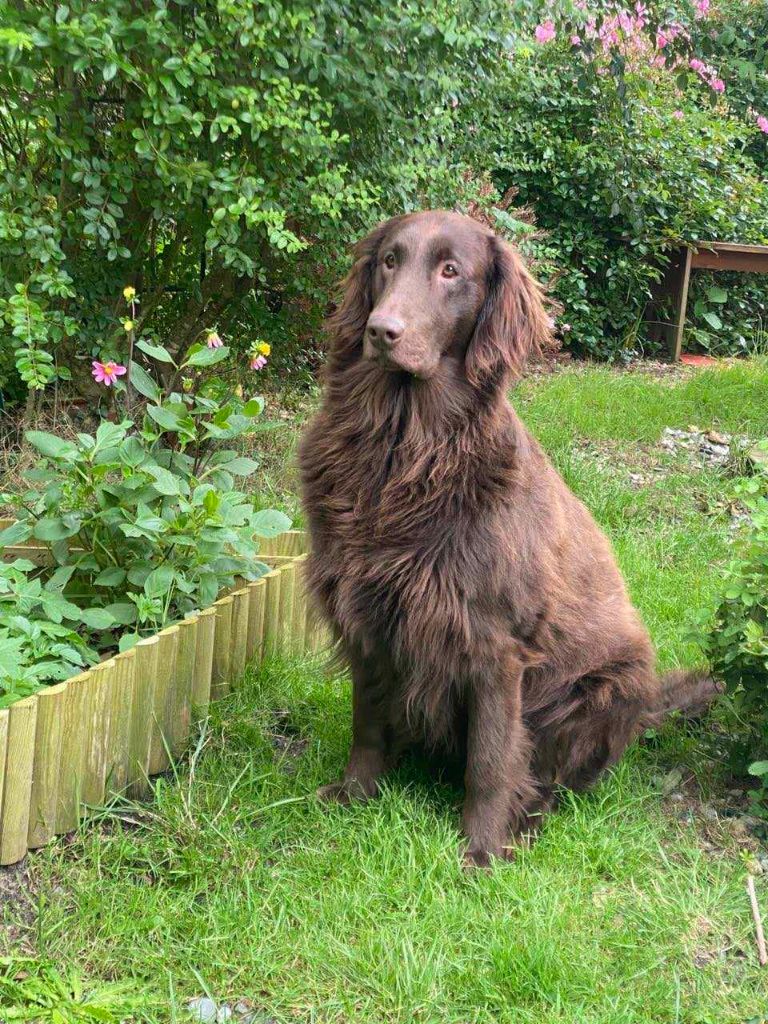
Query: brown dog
x,y
478,604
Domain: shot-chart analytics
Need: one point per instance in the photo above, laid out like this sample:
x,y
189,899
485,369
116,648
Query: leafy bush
x,y
728,313
39,641
218,157
143,524
619,164
737,640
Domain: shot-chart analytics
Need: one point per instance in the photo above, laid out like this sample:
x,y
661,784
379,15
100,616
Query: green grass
x,y
236,882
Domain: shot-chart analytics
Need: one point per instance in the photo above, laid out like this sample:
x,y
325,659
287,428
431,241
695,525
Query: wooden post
x,y
287,594
73,746
147,652
181,706
671,291
256,609
121,704
47,765
299,627
17,788
201,684
239,646
272,581
4,716
96,732
222,648
681,304
163,701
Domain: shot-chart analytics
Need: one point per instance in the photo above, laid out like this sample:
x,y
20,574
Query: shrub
x,y
143,522
615,179
218,157
737,639
39,638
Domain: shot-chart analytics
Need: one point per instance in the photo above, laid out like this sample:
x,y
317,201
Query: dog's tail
x,y
690,692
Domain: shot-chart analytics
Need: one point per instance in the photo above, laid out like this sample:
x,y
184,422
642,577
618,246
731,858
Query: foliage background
x,y
220,156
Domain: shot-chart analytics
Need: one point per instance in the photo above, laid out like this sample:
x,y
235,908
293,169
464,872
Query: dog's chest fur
x,y
400,534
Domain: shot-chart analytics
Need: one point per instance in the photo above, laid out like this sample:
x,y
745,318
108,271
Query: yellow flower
x,y
128,325
263,348
129,293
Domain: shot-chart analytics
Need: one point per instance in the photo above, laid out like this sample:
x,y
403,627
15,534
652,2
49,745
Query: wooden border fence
x,y
106,731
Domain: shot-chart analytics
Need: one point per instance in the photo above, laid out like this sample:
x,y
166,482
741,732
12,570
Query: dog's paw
x,y
475,859
347,791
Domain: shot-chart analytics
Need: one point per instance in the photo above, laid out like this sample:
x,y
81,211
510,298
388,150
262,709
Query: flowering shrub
x,y
143,521
628,132
221,158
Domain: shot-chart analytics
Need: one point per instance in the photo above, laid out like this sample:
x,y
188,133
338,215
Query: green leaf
x,y
112,577
158,352
718,295
143,383
241,466
123,612
50,529
15,534
165,418
269,523
132,452
128,641
110,434
758,768
166,482
97,618
60,578
206,356
51,446
714,321
159,581
253,407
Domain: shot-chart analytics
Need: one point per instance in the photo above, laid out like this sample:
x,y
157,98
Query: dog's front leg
x,y
497,778
370,728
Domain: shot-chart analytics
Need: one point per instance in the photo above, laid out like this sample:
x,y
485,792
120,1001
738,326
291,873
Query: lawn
x,y
630,909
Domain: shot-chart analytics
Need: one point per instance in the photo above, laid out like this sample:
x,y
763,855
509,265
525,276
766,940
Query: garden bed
x,y
105,732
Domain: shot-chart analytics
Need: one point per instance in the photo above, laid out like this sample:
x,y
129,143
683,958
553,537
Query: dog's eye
x,y
450,270
389,260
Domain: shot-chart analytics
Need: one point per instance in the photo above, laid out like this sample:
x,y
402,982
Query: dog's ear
x,y
346,324
512,324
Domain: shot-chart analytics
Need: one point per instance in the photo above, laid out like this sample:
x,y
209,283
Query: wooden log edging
x,y
105,732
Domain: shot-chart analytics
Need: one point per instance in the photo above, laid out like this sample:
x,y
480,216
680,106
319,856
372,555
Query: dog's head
x,y
436,288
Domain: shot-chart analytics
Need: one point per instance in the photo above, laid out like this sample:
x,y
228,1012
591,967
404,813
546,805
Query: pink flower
x,y
698,65
678,115
661,40
718,85
702,8
575,40
107,373
545,32
213,340
258,362
762,123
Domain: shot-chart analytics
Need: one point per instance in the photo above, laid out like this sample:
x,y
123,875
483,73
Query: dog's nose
x,y
384,331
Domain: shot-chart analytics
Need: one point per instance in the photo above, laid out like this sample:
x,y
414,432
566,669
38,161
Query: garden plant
x,y
180,182
143,521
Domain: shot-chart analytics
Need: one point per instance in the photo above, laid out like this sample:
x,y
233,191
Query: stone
x,y
203,1009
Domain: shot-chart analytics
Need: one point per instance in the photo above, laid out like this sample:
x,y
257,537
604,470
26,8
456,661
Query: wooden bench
x,y
674,286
